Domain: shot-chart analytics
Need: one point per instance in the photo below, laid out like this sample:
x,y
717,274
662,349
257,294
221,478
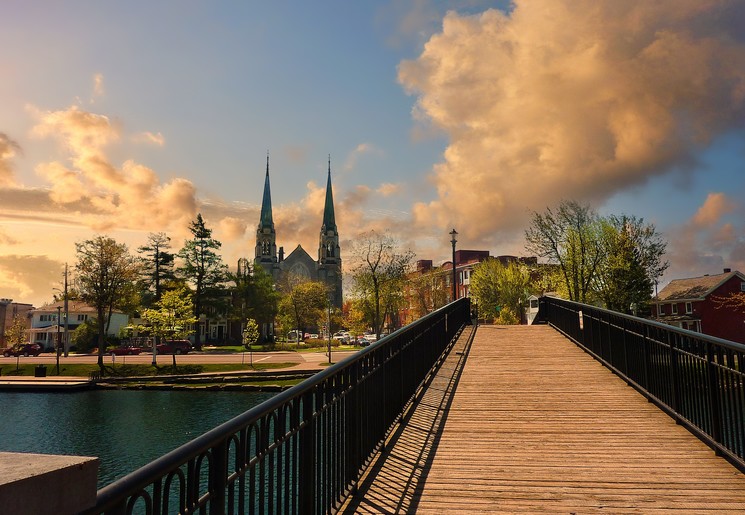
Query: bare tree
x,y
379,273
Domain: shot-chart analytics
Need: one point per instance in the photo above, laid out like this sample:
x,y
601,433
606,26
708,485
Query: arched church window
x,y
265,248
330,248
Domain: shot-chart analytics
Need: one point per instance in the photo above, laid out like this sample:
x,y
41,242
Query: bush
x,y
507,317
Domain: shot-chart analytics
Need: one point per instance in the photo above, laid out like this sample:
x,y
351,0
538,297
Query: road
x,y
304,360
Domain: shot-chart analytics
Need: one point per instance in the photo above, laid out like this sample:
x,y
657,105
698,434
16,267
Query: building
x,y
692,304
326,269
45,328
8,311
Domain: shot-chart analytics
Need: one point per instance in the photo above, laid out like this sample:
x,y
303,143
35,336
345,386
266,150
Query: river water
x,y
125,429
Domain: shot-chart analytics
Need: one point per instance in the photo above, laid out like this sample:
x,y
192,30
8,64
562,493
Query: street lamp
x,y
453,234
59,340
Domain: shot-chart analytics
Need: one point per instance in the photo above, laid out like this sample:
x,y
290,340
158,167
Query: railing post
x,y
674,384
715,410
218,477
307,476
645,356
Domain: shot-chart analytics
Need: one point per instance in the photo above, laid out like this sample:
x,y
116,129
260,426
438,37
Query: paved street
x,y
303,360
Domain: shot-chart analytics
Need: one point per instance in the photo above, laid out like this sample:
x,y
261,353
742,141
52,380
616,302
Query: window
x,y
82,318
742,286
674,309
689,307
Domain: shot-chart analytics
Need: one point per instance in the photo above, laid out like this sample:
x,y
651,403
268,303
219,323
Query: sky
x,y
128,118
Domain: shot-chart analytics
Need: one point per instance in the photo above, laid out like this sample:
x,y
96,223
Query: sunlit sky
x,y
125,118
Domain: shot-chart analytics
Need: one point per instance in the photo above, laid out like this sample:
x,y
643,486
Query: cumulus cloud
x,y
127,196
387,189
8,150
571,99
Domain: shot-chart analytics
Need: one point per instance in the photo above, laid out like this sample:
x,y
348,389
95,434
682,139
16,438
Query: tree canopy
x,y
379,269
106,273
203,269
500,290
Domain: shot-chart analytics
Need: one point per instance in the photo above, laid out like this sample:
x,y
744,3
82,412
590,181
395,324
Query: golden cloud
x,y
8,150
571,99
714,207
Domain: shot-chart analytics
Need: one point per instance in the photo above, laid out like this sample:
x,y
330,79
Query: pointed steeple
x,y
329,221
266,203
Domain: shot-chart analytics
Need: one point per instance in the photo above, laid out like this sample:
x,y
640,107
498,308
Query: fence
x,y
304,450
698,380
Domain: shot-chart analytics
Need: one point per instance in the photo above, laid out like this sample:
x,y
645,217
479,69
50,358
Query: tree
x,y
428,292
106,273
157,266
571,237
304,304
253,294
379,275
633,263
250,333
203,268
16,334
501,290
173,316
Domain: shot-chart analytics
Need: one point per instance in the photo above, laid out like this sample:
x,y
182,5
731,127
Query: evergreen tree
x,y
203,269
253,294
157,267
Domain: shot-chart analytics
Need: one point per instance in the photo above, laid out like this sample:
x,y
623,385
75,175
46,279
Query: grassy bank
x,y
137,370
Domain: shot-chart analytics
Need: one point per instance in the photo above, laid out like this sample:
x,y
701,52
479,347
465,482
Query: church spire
x,y
266,203
329,221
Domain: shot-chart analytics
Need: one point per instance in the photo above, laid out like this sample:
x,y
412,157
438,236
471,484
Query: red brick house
x,y
691,304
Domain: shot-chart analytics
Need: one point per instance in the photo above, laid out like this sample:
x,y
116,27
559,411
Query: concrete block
x,y
41,484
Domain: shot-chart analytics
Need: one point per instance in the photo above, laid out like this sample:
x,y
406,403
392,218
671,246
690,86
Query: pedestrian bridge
x,y
595,413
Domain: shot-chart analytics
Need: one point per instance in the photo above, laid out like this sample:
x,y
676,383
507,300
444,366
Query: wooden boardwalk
x,y
526,422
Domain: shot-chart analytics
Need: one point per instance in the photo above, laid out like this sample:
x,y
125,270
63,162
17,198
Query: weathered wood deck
x,y
529,423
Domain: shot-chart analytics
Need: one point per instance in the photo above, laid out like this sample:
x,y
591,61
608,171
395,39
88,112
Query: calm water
x,y
125,429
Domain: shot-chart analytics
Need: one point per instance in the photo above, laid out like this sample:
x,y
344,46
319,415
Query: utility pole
x,y
67,316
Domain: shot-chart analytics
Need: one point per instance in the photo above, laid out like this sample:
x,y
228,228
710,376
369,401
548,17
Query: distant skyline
x,y
129,118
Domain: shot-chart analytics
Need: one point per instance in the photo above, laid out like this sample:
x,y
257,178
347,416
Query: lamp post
x,y
59,341
453,234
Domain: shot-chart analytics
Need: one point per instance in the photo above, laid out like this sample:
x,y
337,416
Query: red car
x,y
125,350
29,349
174,347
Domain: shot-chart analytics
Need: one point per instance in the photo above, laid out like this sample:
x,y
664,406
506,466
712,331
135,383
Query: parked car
x,y
124,350
363,342
343,338
28,349
174,347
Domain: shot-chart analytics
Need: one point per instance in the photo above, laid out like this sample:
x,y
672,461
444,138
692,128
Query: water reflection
x,y
125,429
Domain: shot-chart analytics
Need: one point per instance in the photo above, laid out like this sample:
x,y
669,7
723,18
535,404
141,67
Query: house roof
x,y
695,287
73,306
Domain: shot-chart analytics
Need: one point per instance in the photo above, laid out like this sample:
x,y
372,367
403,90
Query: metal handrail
x,y
303,450
698,380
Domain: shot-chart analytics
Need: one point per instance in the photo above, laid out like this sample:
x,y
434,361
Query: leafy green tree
x,y
570,236
250,333
501,290
633,262
85,336
16,335
253,294
173,317
379,274
204,270
157,266
304,305
106,272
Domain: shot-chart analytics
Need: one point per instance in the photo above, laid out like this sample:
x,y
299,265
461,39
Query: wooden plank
x,y
536,425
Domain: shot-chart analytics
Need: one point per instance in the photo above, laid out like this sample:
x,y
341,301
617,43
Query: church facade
x,y
299,265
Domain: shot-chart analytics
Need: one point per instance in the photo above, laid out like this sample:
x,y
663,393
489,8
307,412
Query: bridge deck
x,y
536,425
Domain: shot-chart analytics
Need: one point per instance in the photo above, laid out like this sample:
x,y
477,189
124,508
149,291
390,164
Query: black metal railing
x,y
698,380
304,450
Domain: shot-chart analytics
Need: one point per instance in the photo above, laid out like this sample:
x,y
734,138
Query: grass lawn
x,y
83,370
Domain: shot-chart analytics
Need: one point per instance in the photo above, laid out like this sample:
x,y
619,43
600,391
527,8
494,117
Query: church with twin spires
x,y
326,269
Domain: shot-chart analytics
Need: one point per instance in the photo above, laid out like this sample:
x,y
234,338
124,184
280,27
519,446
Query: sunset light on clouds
x,y
129,119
